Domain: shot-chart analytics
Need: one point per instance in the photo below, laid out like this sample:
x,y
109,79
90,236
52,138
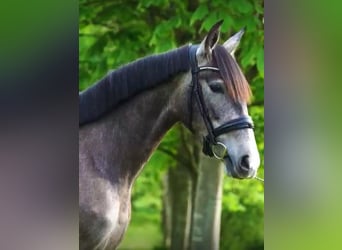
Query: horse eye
x,y
216,88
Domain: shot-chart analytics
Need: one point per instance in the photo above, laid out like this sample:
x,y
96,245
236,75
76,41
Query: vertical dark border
x,y
39,125
303,201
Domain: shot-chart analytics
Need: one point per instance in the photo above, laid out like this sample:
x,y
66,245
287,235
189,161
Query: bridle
x,y
211,146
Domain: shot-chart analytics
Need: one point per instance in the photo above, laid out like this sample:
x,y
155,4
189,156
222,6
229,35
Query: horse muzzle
x,y
240,169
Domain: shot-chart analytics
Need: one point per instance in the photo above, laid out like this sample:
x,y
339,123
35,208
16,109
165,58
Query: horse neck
x,y
131,132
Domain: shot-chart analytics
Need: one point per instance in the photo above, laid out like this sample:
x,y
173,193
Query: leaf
x,y
245,7
98,46
199,14
241,6
210,21
260,62
248,55
258,7
257,86
175,22
228,22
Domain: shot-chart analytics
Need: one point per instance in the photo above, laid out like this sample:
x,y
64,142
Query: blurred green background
x,y
112,33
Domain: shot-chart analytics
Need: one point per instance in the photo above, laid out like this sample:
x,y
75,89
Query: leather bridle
x,y
211,146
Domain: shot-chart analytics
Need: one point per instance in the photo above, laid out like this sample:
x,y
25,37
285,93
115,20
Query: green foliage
x,y
112,33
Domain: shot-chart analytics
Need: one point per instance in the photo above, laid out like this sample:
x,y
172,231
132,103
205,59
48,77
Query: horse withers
x,y
124,116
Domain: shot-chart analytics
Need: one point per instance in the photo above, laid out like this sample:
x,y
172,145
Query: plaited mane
x,y
129,80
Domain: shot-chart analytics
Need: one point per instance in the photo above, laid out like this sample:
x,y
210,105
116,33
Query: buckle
x,y
219,150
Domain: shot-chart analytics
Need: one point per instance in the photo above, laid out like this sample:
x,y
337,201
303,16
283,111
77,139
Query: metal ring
x,y
219,150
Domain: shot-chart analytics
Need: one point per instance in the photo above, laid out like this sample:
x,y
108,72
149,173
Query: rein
x,y
211,146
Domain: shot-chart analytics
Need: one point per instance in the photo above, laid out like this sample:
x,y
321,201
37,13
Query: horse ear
x,y
233,42
209,42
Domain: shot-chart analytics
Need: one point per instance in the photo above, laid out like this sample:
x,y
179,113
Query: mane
x,y
128,81
236,83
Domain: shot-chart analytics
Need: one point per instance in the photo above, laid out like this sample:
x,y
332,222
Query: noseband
x,y
211,146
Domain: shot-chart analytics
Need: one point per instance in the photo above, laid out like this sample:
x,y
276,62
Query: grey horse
x,y
124,116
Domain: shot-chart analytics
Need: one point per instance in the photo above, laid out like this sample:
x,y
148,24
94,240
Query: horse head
x,y
218,95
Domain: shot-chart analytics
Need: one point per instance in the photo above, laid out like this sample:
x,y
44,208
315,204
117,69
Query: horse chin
x,y
230,170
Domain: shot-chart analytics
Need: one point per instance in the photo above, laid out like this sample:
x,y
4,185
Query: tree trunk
x,y
205,233
181,208
178,195
192,199
177,209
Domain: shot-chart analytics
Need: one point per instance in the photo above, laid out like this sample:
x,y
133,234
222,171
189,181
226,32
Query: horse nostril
x,y
244,163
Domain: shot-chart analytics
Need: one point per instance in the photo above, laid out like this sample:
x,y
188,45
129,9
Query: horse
x,y
124,116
